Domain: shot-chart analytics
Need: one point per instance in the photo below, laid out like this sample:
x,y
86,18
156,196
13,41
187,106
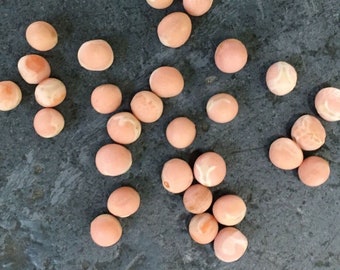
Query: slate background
x,y
50,189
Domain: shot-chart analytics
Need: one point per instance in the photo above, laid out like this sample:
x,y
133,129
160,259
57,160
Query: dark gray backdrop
x,y
50,189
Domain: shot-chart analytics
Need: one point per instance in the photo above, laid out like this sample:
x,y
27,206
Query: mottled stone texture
x,y
50,189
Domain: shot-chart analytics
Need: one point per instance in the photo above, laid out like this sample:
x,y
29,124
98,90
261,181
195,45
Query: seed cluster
x,y
146,107
308,134
106,230
35,69
177,176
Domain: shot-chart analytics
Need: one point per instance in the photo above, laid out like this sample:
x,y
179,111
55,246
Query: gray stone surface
x,y
50,189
